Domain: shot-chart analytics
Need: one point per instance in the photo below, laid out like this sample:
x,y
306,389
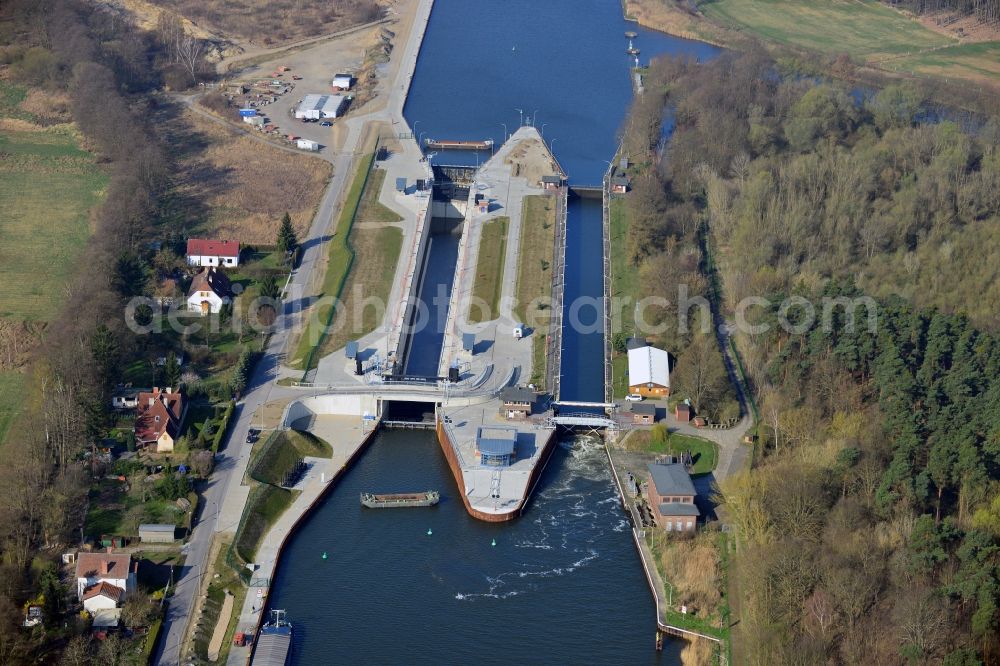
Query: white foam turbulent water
x,y
575,511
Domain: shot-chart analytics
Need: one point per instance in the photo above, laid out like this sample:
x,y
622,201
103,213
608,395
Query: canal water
x,y
563,584
432,311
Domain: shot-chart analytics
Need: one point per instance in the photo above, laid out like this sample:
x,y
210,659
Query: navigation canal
x,y
563,585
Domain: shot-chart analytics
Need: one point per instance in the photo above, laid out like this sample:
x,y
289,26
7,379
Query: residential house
x,y
643,413
158,420
104,579
671,497
516,402
649,372
201,252
210,290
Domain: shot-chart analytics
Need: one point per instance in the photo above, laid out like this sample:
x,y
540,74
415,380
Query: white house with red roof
x,y
104,579
201,252
210,289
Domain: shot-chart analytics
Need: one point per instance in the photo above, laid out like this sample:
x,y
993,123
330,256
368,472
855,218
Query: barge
x,y
459,145
274,643
392,500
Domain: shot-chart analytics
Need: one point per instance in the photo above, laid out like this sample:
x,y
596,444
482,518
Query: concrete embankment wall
x,y
301,518
332,404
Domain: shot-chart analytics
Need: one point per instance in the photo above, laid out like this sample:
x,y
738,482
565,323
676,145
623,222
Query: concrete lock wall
x,y
341,405
450,209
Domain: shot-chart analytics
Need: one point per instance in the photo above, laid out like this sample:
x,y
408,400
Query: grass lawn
x,y
862,28
264,507
47,187
376,250
704,452
115,512
12,384
625,286
283,451
975,62
339,261
533,304
489,271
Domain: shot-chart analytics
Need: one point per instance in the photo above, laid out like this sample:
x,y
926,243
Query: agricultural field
x,y
230,185
862,28
47,187
979,63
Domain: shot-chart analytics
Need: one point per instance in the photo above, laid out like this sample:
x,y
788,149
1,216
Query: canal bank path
x,y
224,496
347,436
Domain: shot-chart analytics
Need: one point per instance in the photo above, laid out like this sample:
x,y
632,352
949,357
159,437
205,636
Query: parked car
x,y
252,435
326,123
633,397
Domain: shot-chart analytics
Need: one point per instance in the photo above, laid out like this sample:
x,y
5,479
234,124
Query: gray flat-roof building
x,y
317,107
156,533
496,445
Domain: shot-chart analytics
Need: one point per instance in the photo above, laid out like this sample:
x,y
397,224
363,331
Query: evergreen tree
x,y
269,287
172,371
287,242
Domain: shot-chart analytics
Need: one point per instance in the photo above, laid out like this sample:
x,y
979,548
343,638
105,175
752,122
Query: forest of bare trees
x,y
987,11
868,529
98,59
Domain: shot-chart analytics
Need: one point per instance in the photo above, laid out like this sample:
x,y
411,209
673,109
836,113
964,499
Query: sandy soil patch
x,y
531,160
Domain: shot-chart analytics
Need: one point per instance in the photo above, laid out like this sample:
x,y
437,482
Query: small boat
x,y
392,500
631,50
631,35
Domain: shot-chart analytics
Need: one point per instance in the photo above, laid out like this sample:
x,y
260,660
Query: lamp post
x,y
415,123
504,132
420,140
542,131
552,149
521,112
534,118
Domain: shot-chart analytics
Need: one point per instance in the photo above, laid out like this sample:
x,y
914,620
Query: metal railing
x,y
553,363
606,222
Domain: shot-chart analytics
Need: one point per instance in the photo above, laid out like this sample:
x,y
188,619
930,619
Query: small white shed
x,y
306,144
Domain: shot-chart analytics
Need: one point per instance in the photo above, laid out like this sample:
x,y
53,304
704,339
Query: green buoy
x,y
324,554
429,532
494,542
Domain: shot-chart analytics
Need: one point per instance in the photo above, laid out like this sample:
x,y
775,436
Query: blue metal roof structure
x,y
496,440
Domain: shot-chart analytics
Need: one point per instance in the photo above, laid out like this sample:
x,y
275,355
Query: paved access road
x,y
224,497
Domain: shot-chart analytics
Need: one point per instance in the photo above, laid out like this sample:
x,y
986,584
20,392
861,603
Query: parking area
x,y
310,71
